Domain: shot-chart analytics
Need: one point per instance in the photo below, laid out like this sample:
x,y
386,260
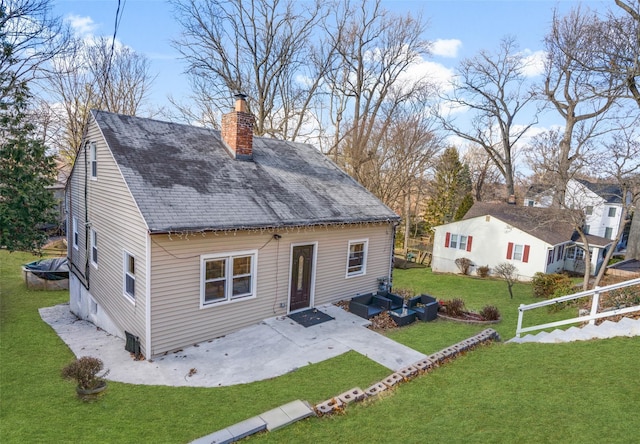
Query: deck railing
x,y
591,317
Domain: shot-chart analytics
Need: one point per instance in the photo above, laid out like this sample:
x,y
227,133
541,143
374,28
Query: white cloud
x,y
435,73
533,62
82,26
446,48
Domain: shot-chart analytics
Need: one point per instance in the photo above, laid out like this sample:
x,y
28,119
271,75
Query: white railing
x,y
591,317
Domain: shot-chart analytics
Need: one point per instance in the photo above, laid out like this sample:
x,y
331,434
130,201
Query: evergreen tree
x,y
467,202
25,171
451,184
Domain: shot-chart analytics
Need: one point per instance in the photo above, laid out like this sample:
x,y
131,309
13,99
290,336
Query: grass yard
x,y
580,392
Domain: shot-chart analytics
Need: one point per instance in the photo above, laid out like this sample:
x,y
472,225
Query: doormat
x,y
310,317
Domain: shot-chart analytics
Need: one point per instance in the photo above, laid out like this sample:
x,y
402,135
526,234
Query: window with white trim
x,y
93,153
575,252
94,247
458,241
608,233
74,235
129,275
612,211
227,277
518,252
357,258
589,210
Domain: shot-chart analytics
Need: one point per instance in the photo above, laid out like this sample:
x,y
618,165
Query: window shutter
x,y
510,250
469,243
446,240
525,254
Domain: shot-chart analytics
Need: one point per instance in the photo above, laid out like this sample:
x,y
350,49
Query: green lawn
x,y
580,392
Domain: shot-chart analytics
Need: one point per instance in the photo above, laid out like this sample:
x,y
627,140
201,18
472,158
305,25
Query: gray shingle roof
x,y
548,224
610,192
183,178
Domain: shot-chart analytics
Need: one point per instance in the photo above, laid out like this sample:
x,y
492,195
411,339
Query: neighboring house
x,y
181,234
58,191
600,202
532,239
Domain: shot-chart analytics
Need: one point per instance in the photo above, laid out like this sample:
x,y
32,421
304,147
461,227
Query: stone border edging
x,y
468,321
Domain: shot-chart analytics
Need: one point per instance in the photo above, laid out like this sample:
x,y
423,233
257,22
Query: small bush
x,y
85,371
464,265
490,313
455,307
404,293
551,285
483,271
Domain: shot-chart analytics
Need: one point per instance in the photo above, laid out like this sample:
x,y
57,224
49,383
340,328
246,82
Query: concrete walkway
x,y
272,348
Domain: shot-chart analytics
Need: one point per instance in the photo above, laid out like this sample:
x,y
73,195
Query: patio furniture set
x,y
423,307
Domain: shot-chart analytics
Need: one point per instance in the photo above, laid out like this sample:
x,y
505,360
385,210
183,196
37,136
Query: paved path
x,y
272,348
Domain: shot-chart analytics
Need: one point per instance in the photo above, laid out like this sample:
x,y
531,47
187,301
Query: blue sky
x,y
460,28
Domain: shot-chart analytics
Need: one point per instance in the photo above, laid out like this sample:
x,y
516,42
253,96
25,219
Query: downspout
x,y
394,225
87,241
147,315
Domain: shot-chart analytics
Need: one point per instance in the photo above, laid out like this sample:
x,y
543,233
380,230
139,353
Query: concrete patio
x,y
272,348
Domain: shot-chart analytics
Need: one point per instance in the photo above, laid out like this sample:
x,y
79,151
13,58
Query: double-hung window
x,y
93,159
227,277
75,232
94,247
129,275
357,258
612,211
518,252
458,241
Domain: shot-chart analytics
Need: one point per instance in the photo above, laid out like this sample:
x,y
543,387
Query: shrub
x,y
490,313
483,271
548,285
85,371
463,264
455,307
404,293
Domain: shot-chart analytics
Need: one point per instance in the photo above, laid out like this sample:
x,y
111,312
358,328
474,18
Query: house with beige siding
x,y
533,239
180,234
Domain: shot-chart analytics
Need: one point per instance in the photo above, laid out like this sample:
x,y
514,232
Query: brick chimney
x,y
237,130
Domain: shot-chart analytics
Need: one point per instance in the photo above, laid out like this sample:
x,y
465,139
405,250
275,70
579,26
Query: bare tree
x,y
623,169
95,77
493,88
406,152
584,98
365,82
482,171
32,36
509,273
260,48
626,43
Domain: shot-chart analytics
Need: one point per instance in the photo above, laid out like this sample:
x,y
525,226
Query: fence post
x,y
595,302
520,316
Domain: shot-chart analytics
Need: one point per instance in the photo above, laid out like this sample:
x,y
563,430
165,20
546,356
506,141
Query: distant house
x,y
532,239
602,204
57,189
180,234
